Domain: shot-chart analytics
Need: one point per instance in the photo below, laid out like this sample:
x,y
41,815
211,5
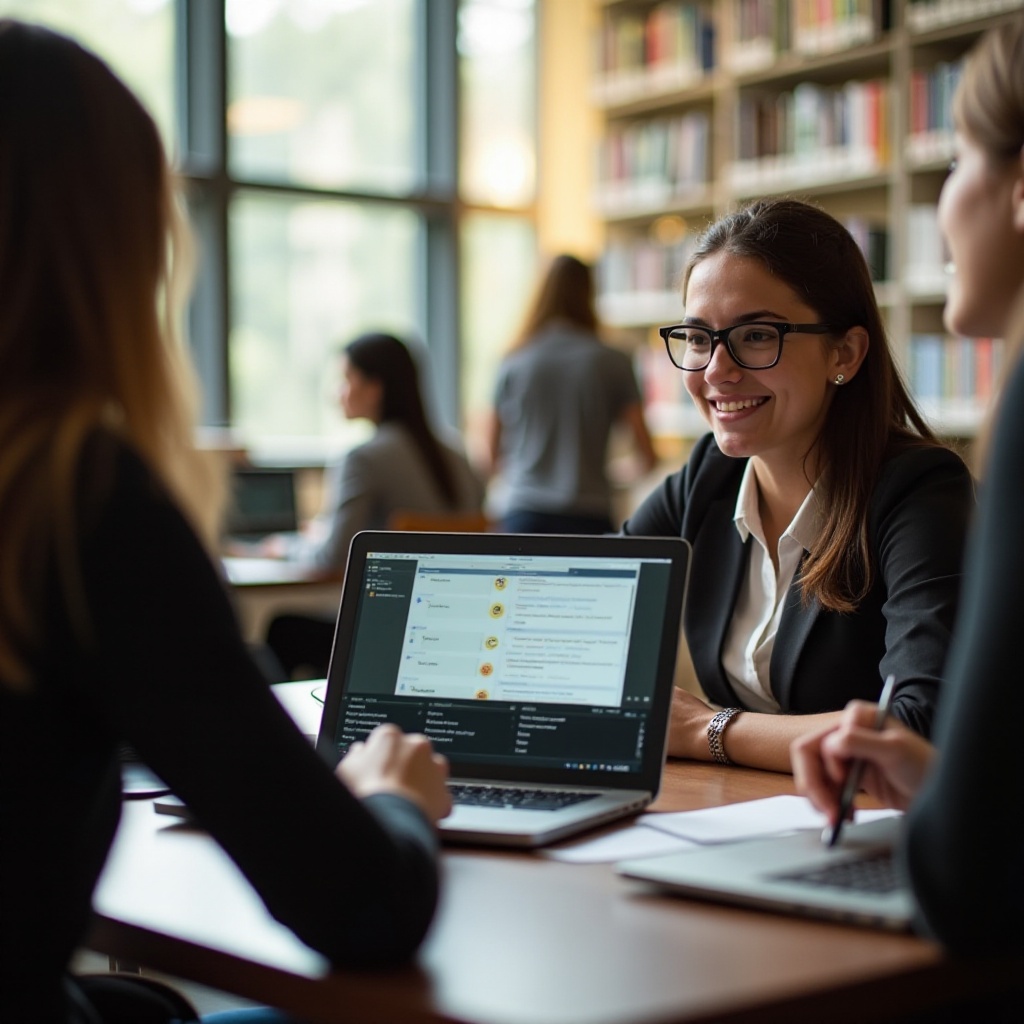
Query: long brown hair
x,y
384,358
564,294
869,416
90,240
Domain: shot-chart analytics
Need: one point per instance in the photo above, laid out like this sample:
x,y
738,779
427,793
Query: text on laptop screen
x,y
508,659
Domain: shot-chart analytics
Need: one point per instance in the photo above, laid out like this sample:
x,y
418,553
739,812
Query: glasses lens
x,y
690,347
755,345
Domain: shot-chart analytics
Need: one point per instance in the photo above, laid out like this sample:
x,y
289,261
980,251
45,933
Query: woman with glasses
x,y
827,521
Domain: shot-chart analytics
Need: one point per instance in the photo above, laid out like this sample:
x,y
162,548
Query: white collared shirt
x,y
750,640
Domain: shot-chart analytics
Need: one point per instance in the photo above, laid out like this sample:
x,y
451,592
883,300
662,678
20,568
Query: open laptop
x,y
541,666
857,881
262,502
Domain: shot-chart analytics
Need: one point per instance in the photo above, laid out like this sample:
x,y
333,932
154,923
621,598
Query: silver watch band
x,y
716,729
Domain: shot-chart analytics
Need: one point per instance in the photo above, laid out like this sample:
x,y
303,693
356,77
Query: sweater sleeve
x,y
356,881
965,846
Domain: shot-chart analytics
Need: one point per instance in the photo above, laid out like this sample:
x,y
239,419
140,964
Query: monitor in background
x,y
262,502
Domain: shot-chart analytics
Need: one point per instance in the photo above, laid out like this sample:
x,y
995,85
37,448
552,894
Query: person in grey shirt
x,y
560,391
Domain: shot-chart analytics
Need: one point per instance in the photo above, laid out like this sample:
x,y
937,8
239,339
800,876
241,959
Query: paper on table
x,y
631,842
732,822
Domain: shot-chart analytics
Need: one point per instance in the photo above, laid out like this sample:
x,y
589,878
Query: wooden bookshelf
x,y
707,104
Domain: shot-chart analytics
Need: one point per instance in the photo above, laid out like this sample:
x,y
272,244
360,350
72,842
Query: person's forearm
x,y
763,741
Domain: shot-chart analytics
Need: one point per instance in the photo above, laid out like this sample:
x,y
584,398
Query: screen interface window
x,y
540,661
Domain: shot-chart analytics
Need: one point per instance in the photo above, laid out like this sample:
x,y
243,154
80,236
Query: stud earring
x,y
840,379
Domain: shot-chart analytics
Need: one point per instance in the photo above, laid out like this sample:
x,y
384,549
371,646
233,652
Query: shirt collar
x,y
803,529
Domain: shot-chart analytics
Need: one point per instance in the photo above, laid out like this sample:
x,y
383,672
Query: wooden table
x,y
521,939
264,587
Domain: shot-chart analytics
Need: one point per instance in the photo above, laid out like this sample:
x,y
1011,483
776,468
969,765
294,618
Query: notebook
x,y
541,666
857,881
263,502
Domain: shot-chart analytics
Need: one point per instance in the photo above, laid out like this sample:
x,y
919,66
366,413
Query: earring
x,y
840,379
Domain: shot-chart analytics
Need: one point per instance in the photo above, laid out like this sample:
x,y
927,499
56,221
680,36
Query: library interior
x,y
359,170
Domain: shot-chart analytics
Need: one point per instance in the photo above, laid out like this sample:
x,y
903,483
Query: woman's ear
x,y
848,353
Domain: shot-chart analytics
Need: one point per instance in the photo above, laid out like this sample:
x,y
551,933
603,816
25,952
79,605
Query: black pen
x,y
831,836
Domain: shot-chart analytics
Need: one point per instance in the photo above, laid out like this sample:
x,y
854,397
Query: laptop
x,y
263,502
857,882
541,666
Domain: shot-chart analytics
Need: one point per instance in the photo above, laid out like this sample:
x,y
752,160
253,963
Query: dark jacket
x,y
918,518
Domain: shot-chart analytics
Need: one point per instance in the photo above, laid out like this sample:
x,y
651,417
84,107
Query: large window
x,y
350,165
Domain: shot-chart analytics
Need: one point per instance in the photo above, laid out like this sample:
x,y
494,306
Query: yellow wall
x,y
568,129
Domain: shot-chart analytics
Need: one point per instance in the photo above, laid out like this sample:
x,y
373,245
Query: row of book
x,y
767,29
665,47
653,163
931,106
927,15
948,368
812,133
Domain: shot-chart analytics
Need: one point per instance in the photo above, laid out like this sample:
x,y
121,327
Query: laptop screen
x,y
263,501
542,657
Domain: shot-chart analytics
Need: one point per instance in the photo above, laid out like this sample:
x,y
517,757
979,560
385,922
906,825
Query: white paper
x,y
747,820
732,822
633,842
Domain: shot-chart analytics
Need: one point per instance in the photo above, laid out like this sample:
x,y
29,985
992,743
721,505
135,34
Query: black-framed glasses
x,y
756,345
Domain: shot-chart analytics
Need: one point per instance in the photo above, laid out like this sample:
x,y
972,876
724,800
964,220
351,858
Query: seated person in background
x,y
560,393
827,522
965,847
404,466
115,626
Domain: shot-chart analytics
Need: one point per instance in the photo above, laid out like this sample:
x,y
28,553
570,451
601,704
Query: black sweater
x,y
167,671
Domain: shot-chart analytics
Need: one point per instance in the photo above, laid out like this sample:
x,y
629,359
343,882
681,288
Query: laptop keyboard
x,y
873,873
521,799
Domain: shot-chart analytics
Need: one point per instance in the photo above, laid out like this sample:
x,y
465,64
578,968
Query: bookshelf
x,y
707,103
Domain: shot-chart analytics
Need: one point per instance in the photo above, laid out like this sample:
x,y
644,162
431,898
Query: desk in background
x,y
263,587
521,939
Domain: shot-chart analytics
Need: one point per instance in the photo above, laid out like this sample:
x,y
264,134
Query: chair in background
x,y
439,522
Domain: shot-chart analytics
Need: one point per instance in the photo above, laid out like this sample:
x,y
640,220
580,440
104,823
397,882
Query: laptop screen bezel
x,y
674,550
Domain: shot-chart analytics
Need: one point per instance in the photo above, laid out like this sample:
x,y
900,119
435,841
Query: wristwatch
x,y
716,728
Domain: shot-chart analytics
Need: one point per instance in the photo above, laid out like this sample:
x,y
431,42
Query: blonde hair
x,y
93,270
989,107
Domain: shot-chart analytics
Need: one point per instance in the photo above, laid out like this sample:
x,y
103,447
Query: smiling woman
x,y
827,522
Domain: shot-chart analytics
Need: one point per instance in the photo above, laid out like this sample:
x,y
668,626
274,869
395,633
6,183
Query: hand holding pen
x,y
831,835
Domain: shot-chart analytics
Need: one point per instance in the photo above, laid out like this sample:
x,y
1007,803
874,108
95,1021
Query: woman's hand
x,y
389,761
896,760
688,726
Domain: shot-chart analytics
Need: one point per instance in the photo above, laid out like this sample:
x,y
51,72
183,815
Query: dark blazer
x,y
918,518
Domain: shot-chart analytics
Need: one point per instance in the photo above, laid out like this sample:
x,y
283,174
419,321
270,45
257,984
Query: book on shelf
x,y
653,163
924,271
931,121
765,30
811,134
872,238
953,378
668,47
928,15
638,280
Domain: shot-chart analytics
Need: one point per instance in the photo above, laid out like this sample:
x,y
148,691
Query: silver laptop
x,y
858,881
541,666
